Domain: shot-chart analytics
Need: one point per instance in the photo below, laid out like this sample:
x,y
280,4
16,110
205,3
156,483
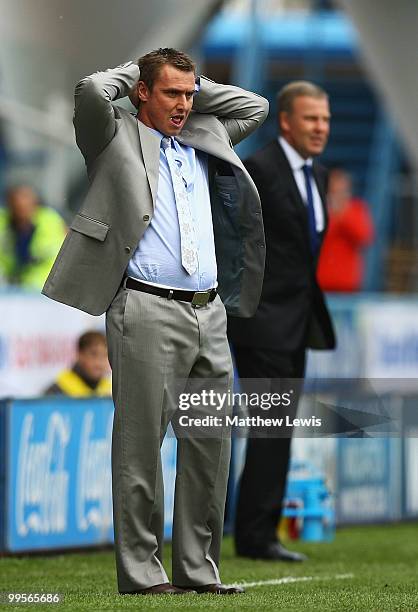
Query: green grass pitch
x,y
372,569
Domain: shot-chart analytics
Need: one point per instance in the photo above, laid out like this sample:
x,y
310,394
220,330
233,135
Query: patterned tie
x,y
187,232
313,234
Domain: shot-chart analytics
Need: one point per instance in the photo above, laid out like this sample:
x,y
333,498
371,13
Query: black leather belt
x,y
197,298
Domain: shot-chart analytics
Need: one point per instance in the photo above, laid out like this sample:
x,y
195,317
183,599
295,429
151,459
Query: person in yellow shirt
x,y
30,238
88,377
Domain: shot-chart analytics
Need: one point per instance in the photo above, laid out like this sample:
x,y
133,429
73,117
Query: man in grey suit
x,y
171,225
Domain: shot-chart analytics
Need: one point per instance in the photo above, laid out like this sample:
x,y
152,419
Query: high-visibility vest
x,y
44,245
73,385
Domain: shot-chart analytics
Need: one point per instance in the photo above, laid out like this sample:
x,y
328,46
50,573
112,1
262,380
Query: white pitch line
x,y
291,579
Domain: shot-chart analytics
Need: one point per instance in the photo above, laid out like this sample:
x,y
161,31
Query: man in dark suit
x,y
292,315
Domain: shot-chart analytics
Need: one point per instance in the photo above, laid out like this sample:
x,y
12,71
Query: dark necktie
x,y
313,234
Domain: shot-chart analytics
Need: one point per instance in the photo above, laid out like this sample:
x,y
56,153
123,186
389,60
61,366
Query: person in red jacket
x,y
350,230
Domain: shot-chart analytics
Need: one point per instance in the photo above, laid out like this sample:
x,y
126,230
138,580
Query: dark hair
x,y
151,63
295,89
90,338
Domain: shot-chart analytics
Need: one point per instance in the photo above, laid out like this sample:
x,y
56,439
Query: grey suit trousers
x,y
153,342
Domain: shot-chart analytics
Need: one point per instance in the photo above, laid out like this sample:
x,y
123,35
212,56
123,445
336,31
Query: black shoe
x,y
216,589
160,589
273,552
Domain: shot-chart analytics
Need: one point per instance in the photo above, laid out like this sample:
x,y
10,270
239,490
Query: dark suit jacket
x,y
292,313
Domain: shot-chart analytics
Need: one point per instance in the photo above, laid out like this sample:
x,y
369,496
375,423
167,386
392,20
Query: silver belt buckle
x,y
200,298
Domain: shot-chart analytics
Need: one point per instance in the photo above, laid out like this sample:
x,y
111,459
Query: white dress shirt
x,y
296,163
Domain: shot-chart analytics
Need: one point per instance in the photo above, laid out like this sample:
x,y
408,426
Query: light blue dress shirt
x,y
157,258
297,162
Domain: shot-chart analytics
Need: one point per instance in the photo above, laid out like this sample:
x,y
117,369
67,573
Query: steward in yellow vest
x,y
89,375
70,383
30,238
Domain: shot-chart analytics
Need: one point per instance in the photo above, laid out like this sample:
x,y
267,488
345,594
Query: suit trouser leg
x,y
201,493
153,342
263,481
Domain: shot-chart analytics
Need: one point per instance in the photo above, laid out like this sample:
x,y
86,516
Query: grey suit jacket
x,y
122,159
